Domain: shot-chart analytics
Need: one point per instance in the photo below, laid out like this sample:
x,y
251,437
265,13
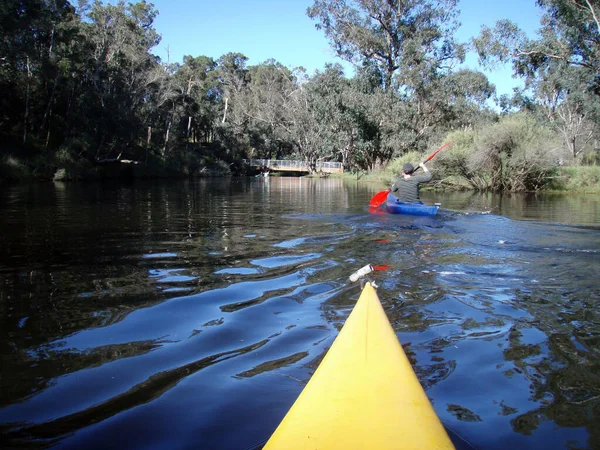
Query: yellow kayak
x,y
364,394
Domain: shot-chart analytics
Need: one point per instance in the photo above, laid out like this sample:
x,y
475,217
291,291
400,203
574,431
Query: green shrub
x,y
584,178
13,169
515,154
591,158
454,160
589,176
61,175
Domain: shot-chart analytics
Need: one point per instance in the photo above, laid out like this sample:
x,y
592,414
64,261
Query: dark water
x,y
184,315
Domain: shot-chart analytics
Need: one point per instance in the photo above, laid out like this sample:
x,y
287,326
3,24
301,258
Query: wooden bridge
x,y
294,166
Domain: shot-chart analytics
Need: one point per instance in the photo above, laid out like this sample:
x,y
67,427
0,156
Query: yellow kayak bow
x,y
364,394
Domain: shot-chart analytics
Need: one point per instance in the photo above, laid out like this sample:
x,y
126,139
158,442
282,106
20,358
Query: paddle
x,y
379,198
433,154
367,270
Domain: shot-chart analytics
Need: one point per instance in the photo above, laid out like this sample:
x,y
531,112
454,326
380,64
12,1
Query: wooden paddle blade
x,y
379,198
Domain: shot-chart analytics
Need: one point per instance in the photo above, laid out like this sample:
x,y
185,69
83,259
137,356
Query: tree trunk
x,y
102,139
68,113
225,112
148,138
49,106
164,149
26,116
48,132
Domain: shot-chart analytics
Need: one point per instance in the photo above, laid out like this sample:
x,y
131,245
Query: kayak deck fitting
x,y
394,206
364,394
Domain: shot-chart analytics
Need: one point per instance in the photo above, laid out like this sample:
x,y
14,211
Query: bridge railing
x,y
296,166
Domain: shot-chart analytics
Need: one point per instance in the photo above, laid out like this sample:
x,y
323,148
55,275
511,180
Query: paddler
x,y
406,188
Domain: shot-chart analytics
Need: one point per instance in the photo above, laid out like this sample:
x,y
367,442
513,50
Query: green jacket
x,y
407,190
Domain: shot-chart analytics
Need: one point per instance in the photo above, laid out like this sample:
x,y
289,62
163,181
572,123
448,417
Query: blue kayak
x,y
394,206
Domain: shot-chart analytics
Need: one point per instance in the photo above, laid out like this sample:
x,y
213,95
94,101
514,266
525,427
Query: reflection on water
x,y
191,314
578,209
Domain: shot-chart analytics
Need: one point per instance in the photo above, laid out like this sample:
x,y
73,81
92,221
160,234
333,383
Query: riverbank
x,y
201,162
77,164
581,179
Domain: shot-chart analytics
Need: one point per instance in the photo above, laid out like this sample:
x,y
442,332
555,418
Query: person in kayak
x,y
406,188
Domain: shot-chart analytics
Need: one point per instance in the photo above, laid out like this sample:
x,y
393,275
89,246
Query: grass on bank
x,y
584,179
514,154
579,179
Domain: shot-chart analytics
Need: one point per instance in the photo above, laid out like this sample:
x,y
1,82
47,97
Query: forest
x,y
84,97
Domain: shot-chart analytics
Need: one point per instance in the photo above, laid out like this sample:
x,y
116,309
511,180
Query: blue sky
x,y
280,29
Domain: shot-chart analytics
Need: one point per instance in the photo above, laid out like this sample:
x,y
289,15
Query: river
x,y
190,314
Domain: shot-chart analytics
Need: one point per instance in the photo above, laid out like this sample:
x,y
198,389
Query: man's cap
x,y
408,168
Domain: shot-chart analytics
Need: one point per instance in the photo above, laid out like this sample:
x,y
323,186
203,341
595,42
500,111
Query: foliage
x,y
561,67
455,161
340,116
84,96
570,34
515,154
390,35
581,179
569,106
13,169
409,47
265,101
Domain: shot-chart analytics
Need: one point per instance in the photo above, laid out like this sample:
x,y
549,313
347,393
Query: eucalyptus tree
x,y
398,36
269,88
162,100
342,108
563,97
196,83
35,37
570,33
561,66
118,39
467,94
411,44
302,126
325,99
232,76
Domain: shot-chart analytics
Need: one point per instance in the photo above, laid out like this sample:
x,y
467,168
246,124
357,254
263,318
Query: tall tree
x,y
570,33
33,32
302,126
196,81
269,88
345,109
399,36
562,96
468,92
561,66
411,44
232,73
119,38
